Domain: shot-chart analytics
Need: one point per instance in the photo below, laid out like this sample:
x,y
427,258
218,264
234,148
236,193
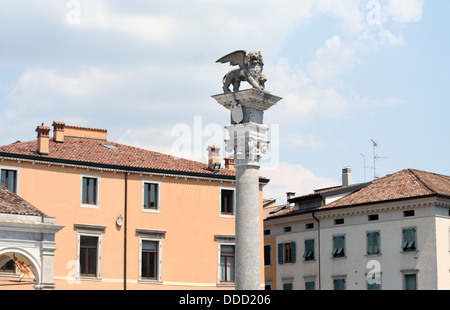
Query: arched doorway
x,y
18,268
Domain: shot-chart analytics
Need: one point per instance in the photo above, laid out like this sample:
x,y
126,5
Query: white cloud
x,y
98,16
294,140
292,178
404,11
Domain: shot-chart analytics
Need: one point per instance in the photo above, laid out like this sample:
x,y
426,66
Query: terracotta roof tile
x,y
94,151
404,184
10,203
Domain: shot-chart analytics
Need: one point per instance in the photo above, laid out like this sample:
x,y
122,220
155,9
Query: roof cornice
x,y
118,168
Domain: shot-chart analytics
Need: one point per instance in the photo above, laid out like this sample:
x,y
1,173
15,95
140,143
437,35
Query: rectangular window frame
x,y
221,241
286,252
339,250
339,283
90,231
151,236
17,177
309,254
157,208
267,255
83,204
233,202
412,275
310,285
372,248
409,239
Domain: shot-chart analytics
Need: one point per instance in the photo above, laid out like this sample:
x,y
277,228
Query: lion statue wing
x,y
236,58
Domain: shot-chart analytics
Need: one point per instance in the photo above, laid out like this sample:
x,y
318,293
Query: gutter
x,y
125,234
318,246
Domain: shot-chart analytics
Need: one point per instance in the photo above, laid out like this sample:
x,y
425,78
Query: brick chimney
x,y
42,139
229,163
213,158
58,131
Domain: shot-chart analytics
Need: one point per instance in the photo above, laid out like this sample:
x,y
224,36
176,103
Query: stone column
x,y
247,143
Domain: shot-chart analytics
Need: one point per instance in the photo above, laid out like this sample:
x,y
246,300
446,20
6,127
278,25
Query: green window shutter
x,y
409,239
373,243
309,249
310,286
287,286
280,253
339,284
338,246
411,282
293,251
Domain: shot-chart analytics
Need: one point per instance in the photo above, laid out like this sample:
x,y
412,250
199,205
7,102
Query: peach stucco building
x,y
133,218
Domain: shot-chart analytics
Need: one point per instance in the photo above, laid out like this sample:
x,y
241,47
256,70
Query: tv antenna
x,y
375,158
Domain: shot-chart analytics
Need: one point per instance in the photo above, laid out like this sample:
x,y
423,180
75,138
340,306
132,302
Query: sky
x,y
351,73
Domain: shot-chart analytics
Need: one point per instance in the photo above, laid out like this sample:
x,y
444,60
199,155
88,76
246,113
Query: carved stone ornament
x,y
250,70
236,112
247,142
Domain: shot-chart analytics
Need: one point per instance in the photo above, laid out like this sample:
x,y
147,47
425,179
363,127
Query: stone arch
x,y
24,257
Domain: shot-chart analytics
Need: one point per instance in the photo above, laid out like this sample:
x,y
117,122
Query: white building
x,y
390,234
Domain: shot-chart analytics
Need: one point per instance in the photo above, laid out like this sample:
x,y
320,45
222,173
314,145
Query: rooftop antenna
x,y
364,156
375,158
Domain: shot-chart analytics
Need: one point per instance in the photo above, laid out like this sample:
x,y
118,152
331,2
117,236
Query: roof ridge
x,y
421,181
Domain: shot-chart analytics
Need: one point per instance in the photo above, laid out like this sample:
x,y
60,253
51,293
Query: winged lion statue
x,y
250,70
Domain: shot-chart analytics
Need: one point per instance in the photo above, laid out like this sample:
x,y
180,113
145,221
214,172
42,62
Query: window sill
x,y
338,257
226,216
151,210
225,284
149,281
86,278
90,206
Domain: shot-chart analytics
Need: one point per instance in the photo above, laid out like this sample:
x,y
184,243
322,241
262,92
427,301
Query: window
x,y
89,190
408,213
410,282
150,255
89,241
310,285
373,217
8,267
339,284
373,243
373,286
409,239
287,229
287,286
267,253
266,232
286,253
226,263
309,250
227,202
338,246
338,221
88,256
149,259
151,196
9,179
309,226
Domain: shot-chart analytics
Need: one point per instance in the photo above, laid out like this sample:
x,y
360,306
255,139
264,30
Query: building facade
x,y
389,234
133,218
27,244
